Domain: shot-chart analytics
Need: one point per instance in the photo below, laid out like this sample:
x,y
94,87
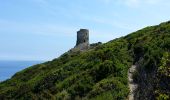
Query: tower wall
x,y
82,39
82,36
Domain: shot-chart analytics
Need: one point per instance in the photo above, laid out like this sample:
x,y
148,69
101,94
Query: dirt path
x,y
132,86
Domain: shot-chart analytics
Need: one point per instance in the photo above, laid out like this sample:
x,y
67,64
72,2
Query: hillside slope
x,y
100,73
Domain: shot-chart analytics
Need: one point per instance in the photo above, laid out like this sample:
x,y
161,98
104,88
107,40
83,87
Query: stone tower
x,y
82,39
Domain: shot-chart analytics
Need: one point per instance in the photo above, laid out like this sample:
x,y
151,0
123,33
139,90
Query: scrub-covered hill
x,y
100,73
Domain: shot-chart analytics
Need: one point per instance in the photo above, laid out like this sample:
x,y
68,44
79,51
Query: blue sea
x,y
9,68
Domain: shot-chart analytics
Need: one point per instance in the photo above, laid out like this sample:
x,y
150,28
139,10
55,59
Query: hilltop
x,y
100,73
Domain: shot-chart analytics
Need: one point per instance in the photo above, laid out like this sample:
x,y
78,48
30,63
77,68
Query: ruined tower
x,y
82,39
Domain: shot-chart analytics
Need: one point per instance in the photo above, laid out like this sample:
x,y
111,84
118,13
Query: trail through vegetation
x,y
101,73
132,85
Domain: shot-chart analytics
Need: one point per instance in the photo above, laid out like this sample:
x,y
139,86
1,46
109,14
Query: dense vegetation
x,y
100,73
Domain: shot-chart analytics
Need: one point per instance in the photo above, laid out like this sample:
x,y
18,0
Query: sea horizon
x,y
9,67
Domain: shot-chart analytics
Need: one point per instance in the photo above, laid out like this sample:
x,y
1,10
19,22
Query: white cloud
x,y
34,28
53,9
106,1
101,36
133,3
54,30
12,56
136,3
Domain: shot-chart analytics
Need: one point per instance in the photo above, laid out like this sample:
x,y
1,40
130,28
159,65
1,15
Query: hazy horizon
x,y
45,29
9,68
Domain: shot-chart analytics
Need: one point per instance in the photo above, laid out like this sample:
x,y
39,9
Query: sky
x,y
45,29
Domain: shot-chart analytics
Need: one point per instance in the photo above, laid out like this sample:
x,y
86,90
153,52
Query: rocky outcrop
x,y
93,45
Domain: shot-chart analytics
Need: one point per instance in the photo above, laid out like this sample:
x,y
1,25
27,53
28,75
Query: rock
x,y
95,44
